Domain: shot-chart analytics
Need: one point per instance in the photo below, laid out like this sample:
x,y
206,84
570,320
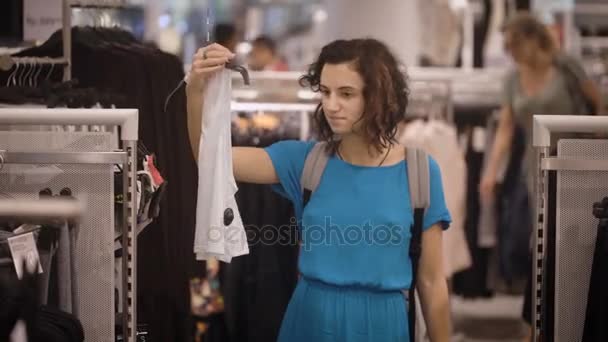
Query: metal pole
x,y
129,244
468,22
539,245
67,39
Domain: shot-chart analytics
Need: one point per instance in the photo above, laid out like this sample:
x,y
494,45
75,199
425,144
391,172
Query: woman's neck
x,y
356,150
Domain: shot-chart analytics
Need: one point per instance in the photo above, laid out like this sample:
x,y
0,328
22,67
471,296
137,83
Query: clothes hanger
x,y
50,72
230,65
240,69
38,71
20,77
30,75
11,78
235,67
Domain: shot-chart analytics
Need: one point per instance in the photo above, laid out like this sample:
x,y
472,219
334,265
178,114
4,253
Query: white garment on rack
x,y
440,140
441,37
216,184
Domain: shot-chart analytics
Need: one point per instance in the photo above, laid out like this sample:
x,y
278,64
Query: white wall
x,y
395,22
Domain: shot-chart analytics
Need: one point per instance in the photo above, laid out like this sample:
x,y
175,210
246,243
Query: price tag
x,y
24,251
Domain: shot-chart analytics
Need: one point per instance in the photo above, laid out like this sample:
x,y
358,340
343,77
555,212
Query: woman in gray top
x,y
544,81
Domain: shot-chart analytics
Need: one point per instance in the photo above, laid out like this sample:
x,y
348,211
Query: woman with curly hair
x,y
355,229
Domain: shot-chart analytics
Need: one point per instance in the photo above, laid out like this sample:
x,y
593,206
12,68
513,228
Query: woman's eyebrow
x,y
340,88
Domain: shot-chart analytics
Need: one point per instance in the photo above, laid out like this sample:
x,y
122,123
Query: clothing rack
x,y
435,92
581,167
66,11
465,88
7,62
127,120
581,12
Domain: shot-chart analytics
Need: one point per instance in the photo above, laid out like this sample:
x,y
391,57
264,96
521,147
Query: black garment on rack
x,y
257,287
472,283
111,59
596,329
11,22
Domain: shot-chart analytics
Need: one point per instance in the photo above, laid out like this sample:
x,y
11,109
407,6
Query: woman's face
x,y
523,50
342,97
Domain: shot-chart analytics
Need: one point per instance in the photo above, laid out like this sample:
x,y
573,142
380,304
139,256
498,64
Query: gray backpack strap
x,y
314,166
420,197
418,178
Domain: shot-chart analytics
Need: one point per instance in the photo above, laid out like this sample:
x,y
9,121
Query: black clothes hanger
x,y
235,67
240,69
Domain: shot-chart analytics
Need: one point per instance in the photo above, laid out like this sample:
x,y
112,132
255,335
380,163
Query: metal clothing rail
x,y
464,88
98,3
41,208
7,62
304,109
272,107
544,126
62,157
127,119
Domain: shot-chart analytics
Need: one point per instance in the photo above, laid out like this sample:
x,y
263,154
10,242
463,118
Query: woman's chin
x,y
339,129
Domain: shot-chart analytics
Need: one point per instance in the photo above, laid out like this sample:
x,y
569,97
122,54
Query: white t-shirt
x,y
219,229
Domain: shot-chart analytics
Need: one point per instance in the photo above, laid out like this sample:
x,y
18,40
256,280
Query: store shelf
x,y
97,3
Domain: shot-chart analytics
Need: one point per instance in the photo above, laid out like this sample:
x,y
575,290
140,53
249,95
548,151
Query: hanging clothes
x,y
442,34
258,287
596,329
145,76
472,282
440,140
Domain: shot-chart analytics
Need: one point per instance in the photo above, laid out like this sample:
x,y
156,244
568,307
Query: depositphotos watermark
x,y
327,233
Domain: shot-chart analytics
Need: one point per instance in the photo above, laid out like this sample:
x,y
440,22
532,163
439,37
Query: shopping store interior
x,y
93,111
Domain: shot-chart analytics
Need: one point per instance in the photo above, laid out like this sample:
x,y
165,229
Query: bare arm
x,y
592,92
502,143
250,164
432,286
194,106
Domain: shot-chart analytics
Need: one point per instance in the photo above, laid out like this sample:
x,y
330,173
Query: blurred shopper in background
x,y
544,81
264,56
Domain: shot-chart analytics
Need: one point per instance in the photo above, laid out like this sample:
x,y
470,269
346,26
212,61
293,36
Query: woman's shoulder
x,y
295,150
294,146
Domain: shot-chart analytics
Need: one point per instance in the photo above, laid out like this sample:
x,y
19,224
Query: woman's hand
x,y
206,62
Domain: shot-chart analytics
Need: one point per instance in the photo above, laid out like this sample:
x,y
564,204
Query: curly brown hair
x,y
385,89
